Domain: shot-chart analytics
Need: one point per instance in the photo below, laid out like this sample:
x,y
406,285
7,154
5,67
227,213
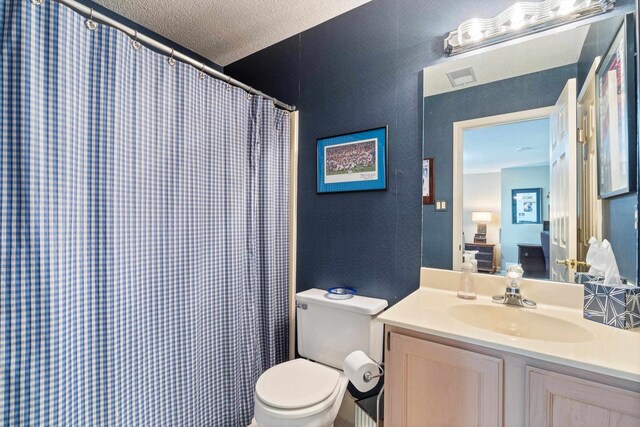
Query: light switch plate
x,y
441,205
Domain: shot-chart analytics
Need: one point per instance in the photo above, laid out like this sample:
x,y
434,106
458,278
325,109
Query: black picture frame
x,y
617,150
526,206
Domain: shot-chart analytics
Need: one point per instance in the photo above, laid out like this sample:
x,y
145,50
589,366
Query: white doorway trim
x,y
458,142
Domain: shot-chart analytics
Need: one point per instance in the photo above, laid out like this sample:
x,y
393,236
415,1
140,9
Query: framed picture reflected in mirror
x,y
526,206
616,114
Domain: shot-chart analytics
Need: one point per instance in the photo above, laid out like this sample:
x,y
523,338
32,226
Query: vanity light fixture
x,y
520,19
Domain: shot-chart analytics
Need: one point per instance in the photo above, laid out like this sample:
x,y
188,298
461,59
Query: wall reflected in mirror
x,y
503,124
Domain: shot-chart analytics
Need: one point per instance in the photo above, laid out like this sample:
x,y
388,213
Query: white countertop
x,y
611,351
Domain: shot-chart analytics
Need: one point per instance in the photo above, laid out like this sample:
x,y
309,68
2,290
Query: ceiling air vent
x,y
462,77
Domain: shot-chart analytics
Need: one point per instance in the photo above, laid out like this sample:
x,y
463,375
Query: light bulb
x,y
517,17
517,21
475,32
566,7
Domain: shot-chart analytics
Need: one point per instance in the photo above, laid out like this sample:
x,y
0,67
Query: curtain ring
x,y
228,83
90,23
249,95
171,61
135,43
202,73
37,2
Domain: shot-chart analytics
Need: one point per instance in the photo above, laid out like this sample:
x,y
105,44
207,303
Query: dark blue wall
x,y
535,90
358,71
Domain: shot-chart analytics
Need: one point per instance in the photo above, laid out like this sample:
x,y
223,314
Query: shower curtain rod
x,y
96,16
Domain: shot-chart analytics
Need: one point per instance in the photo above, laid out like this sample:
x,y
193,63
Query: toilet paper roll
x,y
356,365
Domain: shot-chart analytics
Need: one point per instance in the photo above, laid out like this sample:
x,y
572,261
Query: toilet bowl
x,y
299,393
302,393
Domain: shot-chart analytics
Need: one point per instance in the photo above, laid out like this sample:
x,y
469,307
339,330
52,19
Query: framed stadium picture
x,y
353,162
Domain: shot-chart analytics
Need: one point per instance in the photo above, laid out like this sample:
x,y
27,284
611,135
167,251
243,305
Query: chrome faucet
x,y
512,294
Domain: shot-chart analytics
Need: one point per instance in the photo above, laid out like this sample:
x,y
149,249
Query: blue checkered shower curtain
x,y
143,236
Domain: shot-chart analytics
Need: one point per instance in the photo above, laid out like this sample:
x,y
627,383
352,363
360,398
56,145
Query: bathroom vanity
x,y
456,362
504,141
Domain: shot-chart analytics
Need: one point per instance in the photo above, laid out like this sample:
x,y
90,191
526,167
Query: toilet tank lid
x,y
357,303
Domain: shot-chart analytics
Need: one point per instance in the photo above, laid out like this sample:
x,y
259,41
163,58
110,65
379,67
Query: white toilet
x,y
308,393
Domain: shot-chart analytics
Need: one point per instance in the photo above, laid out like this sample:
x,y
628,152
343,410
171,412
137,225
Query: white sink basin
x,y
520,322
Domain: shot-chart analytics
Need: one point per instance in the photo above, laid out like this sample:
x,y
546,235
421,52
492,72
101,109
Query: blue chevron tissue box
x,y
617,306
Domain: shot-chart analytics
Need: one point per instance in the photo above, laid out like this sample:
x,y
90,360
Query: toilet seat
x,y
296,384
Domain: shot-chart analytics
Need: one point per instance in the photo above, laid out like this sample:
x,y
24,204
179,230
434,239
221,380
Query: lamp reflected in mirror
x,y
481,218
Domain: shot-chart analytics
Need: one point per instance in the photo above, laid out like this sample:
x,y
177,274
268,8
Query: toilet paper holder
x,y
368,376
359,363
363,371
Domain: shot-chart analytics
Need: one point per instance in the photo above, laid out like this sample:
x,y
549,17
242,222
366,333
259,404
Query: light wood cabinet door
x,y
429,384
557,400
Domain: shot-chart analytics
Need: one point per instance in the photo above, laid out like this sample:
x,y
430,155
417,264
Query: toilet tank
x,y
330,329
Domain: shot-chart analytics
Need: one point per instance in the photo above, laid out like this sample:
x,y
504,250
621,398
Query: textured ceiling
x,y
227,30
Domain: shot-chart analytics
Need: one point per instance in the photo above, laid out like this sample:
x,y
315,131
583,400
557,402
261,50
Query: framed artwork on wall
x,y
427,182
354,161
616,114
526,206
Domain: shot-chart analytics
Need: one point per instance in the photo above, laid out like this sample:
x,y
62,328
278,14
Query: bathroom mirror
x,y
490,119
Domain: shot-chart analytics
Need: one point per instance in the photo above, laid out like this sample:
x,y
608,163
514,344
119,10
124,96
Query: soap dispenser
x,y
472,259
467,289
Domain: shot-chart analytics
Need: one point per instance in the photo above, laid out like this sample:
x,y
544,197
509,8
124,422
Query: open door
x,y
563,196
589,205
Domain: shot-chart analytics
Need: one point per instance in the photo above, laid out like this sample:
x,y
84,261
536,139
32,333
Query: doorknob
x,y
572,263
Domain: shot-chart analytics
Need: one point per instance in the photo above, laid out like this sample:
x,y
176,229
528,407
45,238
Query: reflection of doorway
x,y
568,173
590,206
498,162
467,129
